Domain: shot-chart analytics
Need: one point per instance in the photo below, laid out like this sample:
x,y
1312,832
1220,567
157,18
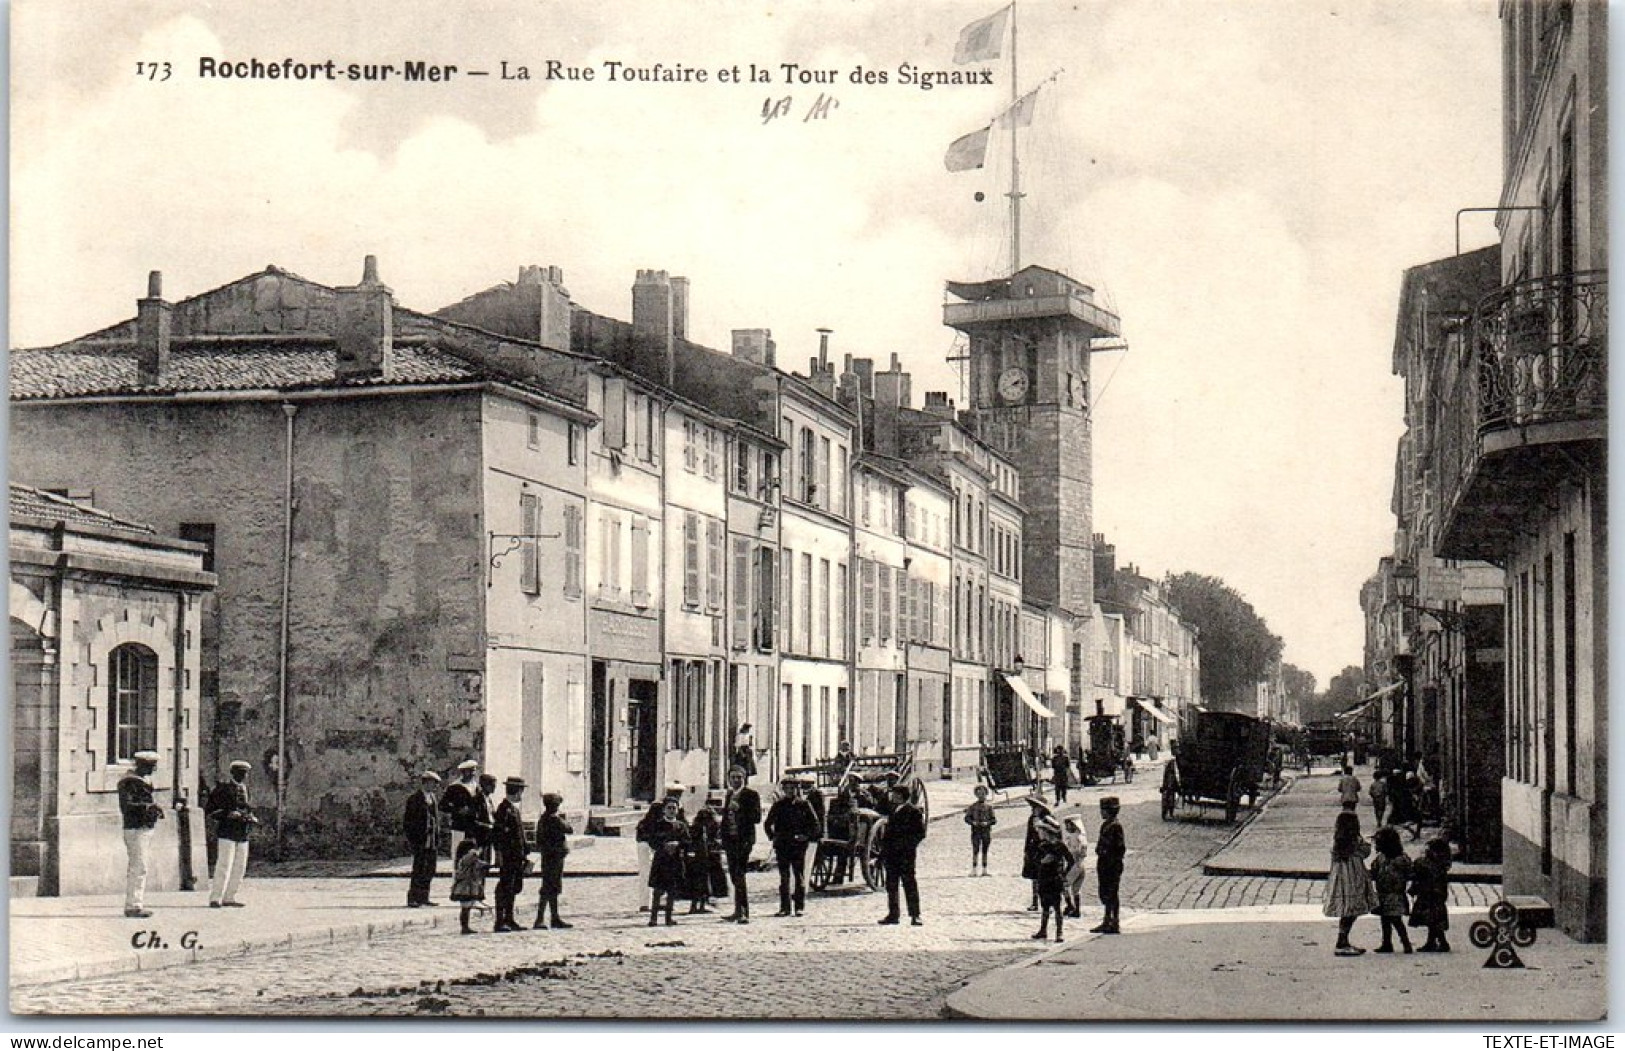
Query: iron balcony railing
x,y
1542,351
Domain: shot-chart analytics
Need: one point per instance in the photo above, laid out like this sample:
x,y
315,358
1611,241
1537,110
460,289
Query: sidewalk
x,y
59,939
1292,836
1277,965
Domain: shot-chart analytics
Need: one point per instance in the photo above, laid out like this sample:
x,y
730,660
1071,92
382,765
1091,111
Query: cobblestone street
x,y
832,963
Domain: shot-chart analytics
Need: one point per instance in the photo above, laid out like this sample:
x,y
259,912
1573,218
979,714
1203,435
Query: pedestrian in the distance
x,y
1348,788
234,816
1110,849
1349,894
552,845
792,825
1170,788
421,826
744,750
741,813
1430,894
981,819
1378,791
1076,842
1054,861
1060,773
140,817
1390,875
468,882
1037,812
508,839
1402,806
668,838
899,850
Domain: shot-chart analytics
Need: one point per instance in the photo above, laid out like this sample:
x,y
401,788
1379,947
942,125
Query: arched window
x,y
132,702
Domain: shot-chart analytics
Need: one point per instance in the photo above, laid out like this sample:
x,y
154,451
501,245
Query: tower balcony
x,y
1536,410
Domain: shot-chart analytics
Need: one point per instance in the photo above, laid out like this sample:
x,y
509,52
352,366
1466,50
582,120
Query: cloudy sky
x,y
1242,182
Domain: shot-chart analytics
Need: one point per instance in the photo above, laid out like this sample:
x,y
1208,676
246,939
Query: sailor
x,y
141,816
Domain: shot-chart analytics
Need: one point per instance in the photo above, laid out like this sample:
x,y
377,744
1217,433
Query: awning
x,y
1385,691
1025,692
1153,711
1366,704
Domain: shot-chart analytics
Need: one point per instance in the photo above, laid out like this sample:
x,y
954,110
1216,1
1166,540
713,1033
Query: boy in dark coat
x,y
792,824
1109,851
899,847
741,813
1053,862
508,838
553,843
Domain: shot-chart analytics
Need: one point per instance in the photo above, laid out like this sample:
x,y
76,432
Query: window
x,y
741,467
770,473
809,465
838,604
866,611
766,580
713,459
572,551
741,593
201,533
840,481
806,603
573,442
132,702
713,565
609,570
787,598
691,560
530,516
691,446
823,607
823,473
614,413
533,430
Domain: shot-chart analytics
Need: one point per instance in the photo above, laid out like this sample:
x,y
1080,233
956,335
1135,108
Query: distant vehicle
x,y
1108,753
1224,757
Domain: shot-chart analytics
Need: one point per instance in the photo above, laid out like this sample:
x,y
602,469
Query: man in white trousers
x,y
234,817
140,816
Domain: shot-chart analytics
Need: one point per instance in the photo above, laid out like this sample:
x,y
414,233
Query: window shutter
x,y
883,573
640,560
839,604
614,413
866,618
903,614
691,559
766,580
806,602
713,565
530,569
787,607
741,593
572,551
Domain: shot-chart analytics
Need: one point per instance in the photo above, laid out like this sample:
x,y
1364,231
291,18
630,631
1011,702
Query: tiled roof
x,y
37,503
80,370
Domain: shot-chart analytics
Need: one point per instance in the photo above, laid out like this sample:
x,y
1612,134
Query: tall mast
x,y
1015,160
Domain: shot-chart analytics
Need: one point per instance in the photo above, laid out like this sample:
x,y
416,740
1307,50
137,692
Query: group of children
x,y
1054,858
473,862
1353,891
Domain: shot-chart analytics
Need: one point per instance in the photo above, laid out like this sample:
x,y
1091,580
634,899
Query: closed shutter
x,y
614,413
530,514
866,618
713,565
691,559
740,634
572,551
640,560
883,575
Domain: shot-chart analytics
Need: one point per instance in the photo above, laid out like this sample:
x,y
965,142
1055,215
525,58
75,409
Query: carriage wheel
x,y
1232,797
918,797
874,868
823,869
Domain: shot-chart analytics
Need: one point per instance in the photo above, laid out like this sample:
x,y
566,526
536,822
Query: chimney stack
x,y
823,348
892,386
937,403
679,307
755,345
152,330
364,327
654,316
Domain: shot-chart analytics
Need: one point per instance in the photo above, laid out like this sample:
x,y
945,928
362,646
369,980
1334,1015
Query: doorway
x,y
642,702
947,728
601,777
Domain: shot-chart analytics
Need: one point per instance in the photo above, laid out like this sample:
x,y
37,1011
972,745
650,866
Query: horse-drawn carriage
x,y
1224,757
853,803
1108,753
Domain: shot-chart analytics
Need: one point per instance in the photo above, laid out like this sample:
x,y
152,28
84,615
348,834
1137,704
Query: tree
x,y
1237,647
1299,686
1346,689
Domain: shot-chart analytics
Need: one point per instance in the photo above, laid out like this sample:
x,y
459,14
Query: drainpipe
x,y
289,411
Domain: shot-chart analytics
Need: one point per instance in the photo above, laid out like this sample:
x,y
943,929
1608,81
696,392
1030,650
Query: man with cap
x,y
791,824
484,814
899,845
422,828
508,837
234,817
457,802
1109,851
140,816
741,813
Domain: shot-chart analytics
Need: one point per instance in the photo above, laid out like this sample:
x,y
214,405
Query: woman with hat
x,y
1035,838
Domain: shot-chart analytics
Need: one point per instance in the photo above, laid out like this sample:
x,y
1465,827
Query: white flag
x,y
982,40
968,151
1020,113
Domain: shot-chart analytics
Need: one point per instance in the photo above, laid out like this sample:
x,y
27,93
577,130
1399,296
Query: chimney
x,y
754,345
891,386
937,403
653,316
364,327
679,307
152,327
865,368
823,348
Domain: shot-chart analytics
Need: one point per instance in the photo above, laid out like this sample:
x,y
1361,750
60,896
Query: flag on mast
x,y
1020,113
968,151
982,40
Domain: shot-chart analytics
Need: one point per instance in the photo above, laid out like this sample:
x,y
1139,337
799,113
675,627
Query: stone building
x,y
106,619
395,507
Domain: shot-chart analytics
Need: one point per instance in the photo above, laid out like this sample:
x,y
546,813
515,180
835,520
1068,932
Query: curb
x,y
154,960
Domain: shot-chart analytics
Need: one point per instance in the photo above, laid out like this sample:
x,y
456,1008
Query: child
x,y
1348,889
1054,860
553,842
981,819
703,853
1076,842
667,839
1391,871
1430,892
468,884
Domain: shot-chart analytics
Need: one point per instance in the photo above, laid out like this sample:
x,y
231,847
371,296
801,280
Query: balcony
x,y
1537,388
